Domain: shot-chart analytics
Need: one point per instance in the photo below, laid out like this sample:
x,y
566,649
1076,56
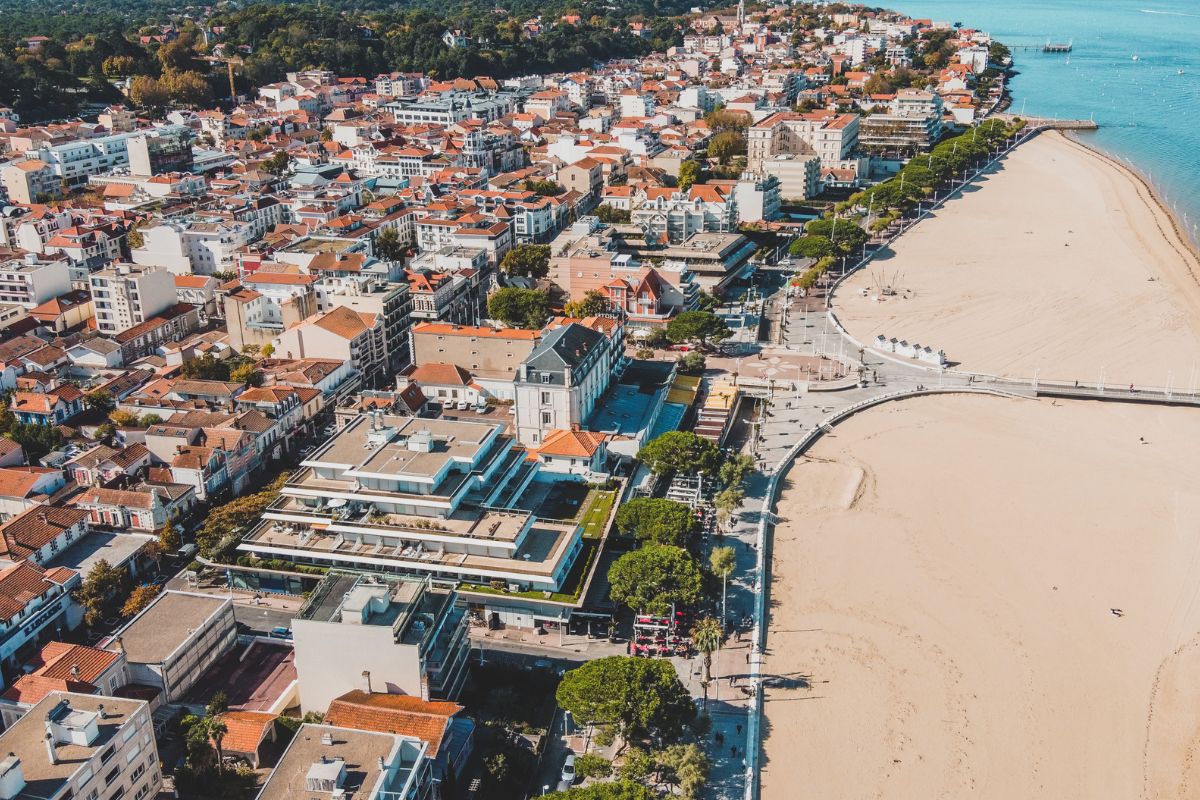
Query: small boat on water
x,y
1134,57
1180,72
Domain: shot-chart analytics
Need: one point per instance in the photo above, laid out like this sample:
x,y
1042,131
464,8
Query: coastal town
x,y
430,434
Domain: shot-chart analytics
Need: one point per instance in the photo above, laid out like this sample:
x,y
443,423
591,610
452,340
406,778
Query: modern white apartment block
x,y
125,295
420,496
81,746
32,281
394,634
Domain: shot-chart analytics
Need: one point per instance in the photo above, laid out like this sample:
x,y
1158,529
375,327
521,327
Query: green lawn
x,y
595,516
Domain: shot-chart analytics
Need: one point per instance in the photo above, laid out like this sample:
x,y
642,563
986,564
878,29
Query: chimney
x,y
74,672
50,751
326,739
382,764
119,644
101,712
366,675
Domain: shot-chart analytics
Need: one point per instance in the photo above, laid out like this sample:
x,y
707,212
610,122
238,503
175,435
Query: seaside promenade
x,y
796,417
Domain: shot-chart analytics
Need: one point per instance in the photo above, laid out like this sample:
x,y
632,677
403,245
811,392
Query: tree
x,y
388,246
187,88
639,699
277,164
590,765
729,499
686,767
707,634
154,551
169,538
594,302
735,469
680,451
100,400
247,373
811,247
722,561
147,420
99,588
657,337
697,326
724,146
139,598
519,308
228,520
722,121
216,729
268,350
621,790
118,66
689,174
846,236
527,261
546,188
690,363
124,419
147,92
657,520
613,216
654,578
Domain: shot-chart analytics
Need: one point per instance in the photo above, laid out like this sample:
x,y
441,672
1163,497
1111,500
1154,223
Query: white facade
x,y
125,295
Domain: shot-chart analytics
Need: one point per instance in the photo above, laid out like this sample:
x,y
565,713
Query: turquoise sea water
x,y
1148,111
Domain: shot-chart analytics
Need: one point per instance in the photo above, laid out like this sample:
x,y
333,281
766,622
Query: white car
x,y
568,770
462,405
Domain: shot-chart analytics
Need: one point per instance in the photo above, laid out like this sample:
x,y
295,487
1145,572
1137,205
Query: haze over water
x,y
1149,113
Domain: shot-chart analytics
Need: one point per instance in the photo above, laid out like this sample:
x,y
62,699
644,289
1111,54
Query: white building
x,y
757,197
559,383
79,746
400,635
195,246
125,295
32,281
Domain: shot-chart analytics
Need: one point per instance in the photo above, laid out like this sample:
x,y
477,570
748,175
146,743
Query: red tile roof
x,y
393,713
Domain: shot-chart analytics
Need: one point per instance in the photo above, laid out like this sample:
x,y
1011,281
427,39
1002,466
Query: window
x,y
545,398
137,772
546,417
108,754
545,377
112,775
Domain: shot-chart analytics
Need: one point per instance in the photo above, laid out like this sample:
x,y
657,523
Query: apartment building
x,y
674,216
82,746
265,304
395,634
419,496
38,608
30,181
126,295
391,303
340,334
559,383
327,761
831,137
172,641
198,245
799,175
913,123
491,355
31,281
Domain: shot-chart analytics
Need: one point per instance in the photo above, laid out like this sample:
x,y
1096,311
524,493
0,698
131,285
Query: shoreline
x,y
1155,199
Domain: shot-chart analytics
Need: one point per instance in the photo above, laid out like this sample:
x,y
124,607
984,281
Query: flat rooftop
x,y
315,245
493,525
156,633
539,554
360,750
27,739
353,449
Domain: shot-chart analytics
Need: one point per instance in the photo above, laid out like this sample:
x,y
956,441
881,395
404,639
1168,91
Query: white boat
x,y
1134,57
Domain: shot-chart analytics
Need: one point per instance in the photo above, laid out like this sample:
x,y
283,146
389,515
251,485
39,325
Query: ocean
x,y
1148,108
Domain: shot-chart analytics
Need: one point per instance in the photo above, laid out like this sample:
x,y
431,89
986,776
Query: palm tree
x,y
706,637
723,560
216,729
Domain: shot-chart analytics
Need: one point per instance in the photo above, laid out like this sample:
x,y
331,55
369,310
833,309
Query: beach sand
x,y
943,575
1045,265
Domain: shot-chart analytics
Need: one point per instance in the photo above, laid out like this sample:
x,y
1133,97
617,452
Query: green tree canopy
x,y
388,246
657,520
811,247
846,237
613,216
638,698
680,451
594,302
654,577
527,261
519,308
697,326
689,174
725,145
620,790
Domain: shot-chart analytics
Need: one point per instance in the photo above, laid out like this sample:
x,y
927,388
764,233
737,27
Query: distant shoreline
x,y
1155,200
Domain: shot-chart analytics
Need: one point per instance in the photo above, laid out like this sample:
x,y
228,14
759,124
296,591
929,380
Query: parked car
x,y
462,405
568,770
280,632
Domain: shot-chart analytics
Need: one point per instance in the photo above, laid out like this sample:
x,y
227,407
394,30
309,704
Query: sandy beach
x,y
1059,262
943,578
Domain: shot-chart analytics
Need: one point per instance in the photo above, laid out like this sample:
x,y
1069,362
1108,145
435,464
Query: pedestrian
x,y
739,727
733,751
720,738
747,657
